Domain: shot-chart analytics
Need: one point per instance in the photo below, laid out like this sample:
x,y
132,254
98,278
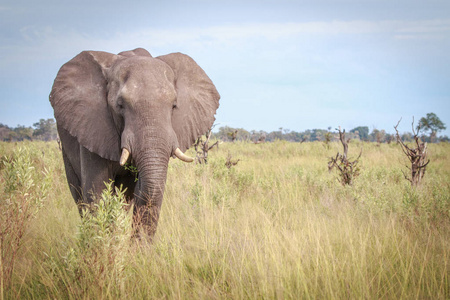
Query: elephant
x,y
116,110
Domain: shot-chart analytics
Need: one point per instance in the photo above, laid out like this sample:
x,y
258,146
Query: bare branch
x,y
416,156
215,144
229,163
406,177
202,148
420,167
348,169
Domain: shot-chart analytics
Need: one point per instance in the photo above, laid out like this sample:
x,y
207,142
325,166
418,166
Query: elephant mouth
x,y
177,153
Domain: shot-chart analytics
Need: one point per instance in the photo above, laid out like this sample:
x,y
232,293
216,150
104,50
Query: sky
x,y
293,64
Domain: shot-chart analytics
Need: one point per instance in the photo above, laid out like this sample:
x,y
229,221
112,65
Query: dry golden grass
x,y
276,225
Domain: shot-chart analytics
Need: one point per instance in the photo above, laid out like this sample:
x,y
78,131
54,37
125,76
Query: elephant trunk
x,y
152,165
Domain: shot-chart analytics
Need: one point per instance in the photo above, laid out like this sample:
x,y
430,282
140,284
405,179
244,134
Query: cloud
x,y
47,42
230,35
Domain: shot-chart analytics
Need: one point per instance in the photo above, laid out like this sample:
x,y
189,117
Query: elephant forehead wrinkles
x,y
143,67
143,90
145,77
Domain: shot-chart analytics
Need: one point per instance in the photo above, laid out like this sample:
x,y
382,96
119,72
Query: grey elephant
x,y
130,108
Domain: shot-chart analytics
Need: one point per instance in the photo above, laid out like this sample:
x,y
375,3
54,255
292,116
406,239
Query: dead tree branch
x,y
233,135
202,148
417,156
348,170
229,163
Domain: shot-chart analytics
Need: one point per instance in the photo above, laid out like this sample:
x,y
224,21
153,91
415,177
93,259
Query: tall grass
x,y
276,225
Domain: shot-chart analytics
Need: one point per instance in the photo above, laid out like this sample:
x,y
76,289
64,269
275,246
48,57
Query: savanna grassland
x,y
277,225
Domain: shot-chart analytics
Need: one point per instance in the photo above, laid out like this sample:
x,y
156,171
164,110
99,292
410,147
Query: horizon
x,y
215,129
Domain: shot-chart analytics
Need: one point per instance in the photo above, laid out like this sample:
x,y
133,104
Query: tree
x,y
431,123
23,133
233,135
444,139
378,135
363,132
328,136
202,148
407,137
4,132
348,169
19,133
226,134
417,156
389,138
45,129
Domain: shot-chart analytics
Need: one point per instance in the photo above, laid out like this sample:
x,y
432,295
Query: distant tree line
x,y
44,130
429,127
311,135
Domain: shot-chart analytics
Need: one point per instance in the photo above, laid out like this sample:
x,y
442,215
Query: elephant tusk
x,y
178,153
124,157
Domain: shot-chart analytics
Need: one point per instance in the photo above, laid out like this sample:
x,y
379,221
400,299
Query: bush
x,y
97,265
21,201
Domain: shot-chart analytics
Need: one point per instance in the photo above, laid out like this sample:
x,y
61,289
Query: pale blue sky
x,y
292,64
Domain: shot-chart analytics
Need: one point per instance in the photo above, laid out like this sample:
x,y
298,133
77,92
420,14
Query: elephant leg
x,y
95,171
71,158
126,181
73,180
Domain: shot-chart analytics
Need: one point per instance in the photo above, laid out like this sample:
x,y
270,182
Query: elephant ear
x,y
197,99
79,99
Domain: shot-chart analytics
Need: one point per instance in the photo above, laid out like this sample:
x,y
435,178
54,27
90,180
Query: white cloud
x,y
430,26
230,35
47,41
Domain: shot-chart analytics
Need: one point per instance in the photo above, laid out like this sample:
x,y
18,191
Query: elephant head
x,y
132,106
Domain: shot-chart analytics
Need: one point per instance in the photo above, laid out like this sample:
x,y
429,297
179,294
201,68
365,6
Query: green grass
x,y
276,225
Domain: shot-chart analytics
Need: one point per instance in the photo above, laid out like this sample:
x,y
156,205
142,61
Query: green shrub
x,y
97,265
23,196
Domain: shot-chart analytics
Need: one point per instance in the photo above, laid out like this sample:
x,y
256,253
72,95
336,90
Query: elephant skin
x,y
105,103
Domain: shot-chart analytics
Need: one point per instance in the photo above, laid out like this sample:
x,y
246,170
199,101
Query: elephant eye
x,y
120,103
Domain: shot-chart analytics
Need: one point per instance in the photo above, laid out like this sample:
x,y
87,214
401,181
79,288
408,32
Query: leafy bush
x,y
97,264
23,196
